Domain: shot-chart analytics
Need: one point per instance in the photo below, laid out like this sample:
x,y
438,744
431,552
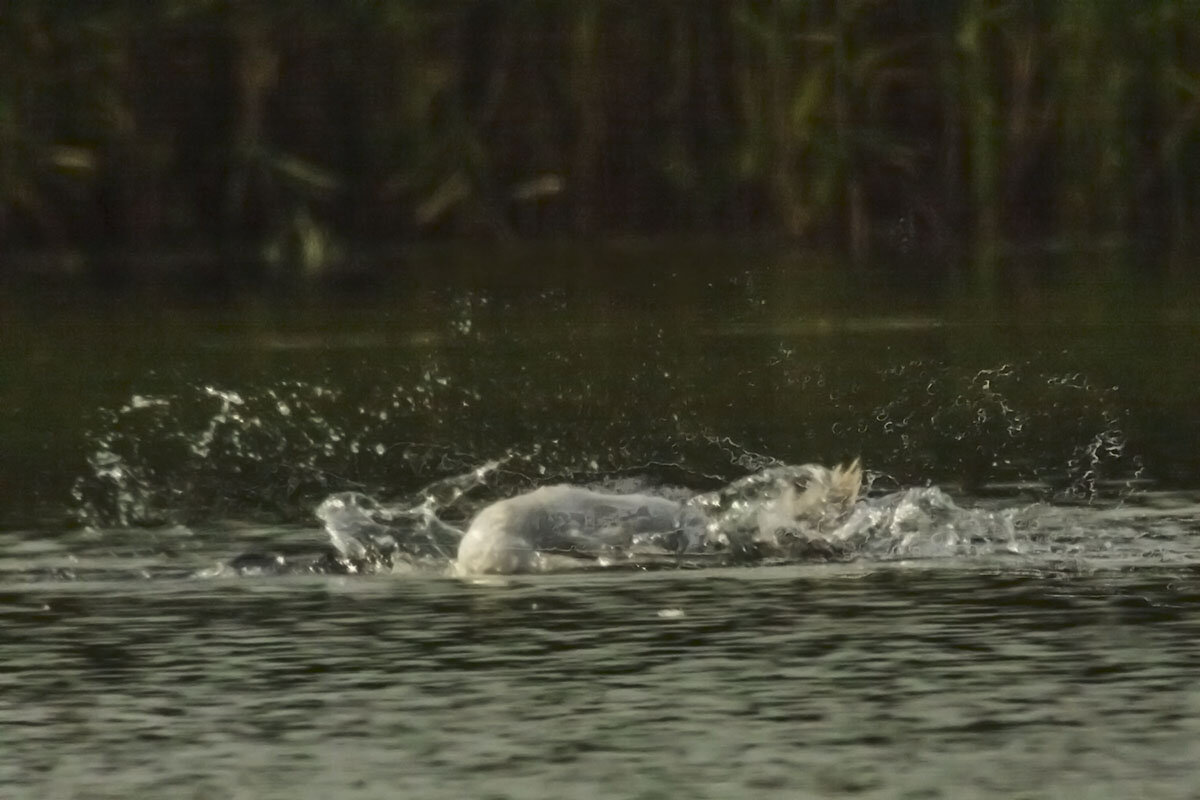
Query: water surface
x,y
146,443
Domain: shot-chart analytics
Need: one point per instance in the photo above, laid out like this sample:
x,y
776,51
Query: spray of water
x,y
396,470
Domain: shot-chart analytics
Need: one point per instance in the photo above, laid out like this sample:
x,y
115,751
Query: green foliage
x,y
313,128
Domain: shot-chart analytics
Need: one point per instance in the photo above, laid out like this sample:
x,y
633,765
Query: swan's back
x,y
520,533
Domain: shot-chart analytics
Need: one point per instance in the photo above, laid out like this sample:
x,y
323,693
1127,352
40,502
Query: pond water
x,y
174,618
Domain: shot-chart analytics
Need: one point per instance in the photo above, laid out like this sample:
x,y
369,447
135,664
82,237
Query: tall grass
x,y
293,133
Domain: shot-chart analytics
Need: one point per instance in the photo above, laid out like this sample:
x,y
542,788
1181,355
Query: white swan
x,y
536,531
555,525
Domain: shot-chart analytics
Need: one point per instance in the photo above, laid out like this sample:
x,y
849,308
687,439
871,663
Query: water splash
x,y
397,467
1009,425
927,523
742,523
262,453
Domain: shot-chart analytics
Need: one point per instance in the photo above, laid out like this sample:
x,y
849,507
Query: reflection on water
x,y
824,681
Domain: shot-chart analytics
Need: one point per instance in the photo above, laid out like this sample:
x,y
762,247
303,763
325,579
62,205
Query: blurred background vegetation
x,y
300,135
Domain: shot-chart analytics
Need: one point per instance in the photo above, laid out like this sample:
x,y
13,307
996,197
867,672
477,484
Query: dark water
x,y
146,442
910,682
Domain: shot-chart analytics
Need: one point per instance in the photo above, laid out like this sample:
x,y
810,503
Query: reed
x,y
870,127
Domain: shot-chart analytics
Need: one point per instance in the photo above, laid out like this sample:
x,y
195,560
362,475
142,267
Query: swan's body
x,y
782,513
530,532
546,527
